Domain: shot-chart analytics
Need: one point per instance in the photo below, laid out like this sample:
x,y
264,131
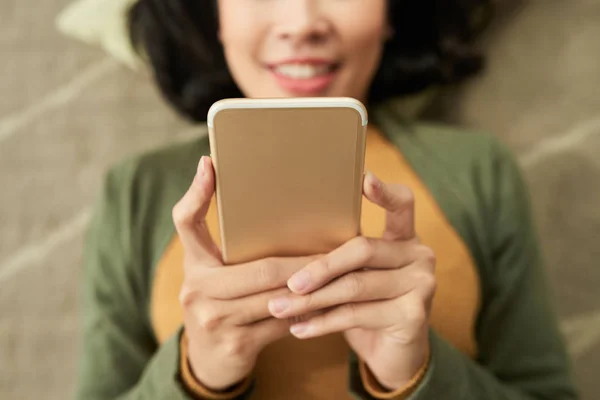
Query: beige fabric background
x,y
67,112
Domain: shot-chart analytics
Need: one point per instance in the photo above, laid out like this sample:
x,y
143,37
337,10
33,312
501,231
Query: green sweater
x,y
476,183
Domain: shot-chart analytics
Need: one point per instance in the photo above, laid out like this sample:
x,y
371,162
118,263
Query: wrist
x,y
213,379
197,387
414,361
213,376
395,389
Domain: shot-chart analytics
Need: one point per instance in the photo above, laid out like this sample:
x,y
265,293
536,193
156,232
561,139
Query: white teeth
x,y
302,71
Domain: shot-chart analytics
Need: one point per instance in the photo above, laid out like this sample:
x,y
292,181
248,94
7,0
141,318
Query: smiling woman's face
x,y
299,48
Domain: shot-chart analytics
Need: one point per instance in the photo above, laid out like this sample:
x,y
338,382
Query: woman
x,y
164,320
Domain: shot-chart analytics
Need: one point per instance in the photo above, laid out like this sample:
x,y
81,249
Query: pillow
x,y
100,23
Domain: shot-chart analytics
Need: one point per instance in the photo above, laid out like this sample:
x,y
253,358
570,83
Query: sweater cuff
x,y
193,385
375,389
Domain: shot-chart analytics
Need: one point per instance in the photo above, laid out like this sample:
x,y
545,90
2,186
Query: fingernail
x,y
279,305
373,180
202,167
300,330
299,281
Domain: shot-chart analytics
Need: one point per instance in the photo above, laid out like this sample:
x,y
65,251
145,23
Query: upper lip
x,y
303,60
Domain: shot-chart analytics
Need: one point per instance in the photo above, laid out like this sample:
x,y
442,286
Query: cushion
x,y
100,23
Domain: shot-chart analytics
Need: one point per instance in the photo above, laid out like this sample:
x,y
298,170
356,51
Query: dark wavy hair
x,y
432,45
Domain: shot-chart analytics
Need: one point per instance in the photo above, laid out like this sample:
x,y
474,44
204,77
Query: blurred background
x,y
68,111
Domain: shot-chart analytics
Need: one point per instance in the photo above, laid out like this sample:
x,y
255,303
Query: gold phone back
x,y
289,180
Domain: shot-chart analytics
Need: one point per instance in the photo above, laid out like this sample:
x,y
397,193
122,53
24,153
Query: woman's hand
x,y
377,291
226,318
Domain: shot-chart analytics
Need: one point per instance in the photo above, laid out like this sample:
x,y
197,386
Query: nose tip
x,y
305,34
304,23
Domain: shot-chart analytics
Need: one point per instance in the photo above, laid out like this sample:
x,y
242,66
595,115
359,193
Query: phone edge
x,y
296,102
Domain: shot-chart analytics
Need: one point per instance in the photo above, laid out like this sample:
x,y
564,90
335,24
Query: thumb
x,y
399,204
189,214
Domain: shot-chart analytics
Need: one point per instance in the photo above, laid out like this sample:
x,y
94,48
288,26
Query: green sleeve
x,y
119,357
521,353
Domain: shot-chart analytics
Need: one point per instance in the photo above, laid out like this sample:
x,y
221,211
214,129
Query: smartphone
x,y
289,174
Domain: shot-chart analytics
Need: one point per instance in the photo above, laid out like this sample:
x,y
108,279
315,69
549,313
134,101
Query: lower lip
x,y
305,87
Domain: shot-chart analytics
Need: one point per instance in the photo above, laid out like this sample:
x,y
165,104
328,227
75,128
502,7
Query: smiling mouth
x,y
305,77
304,71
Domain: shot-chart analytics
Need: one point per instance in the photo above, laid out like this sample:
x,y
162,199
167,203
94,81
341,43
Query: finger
x,y
401,317
359,252
399,203
251,309
237,281
345,317
213,314
354,287
190,212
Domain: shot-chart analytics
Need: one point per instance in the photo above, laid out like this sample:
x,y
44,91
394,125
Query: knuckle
x,y
187,295
268,272
210,317
426,254
428,282
365,248
403,195
180,214
415,313
237,346
308,303
408,196
322,266
349,311
354,285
